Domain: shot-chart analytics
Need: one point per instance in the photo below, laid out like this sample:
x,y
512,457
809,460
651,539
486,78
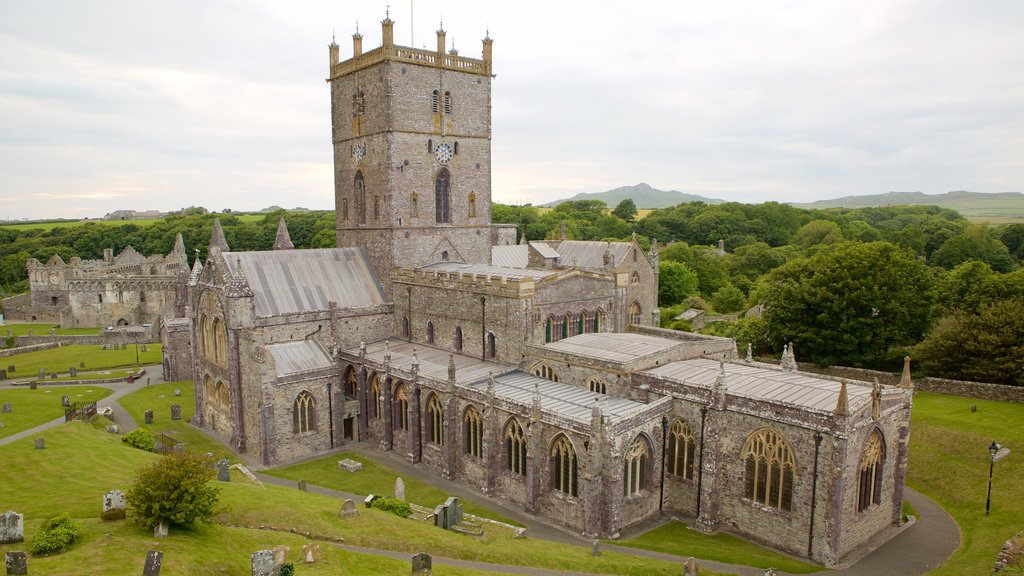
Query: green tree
x,y
727,299
676,282
852,305
975,243
818,232
626,210
175,490
986,347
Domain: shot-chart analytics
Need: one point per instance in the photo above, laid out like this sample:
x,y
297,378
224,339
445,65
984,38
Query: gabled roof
x,y
488,270
614,346
433,362
590,254
291,281
299,356
515,256
544,249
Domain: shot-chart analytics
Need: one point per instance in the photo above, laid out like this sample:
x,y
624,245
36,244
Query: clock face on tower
x,y
443,153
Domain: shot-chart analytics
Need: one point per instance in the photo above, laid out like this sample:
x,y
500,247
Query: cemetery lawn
x,y
374,478
44,330
30,408
949,463
81,463
677,538
159,398
60,360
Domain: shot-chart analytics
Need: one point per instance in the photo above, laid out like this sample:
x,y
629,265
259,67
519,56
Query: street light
x,y
992,449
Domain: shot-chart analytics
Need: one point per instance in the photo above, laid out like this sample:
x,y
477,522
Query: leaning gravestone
x,y
263,563
12,527
421,564
348,508
302,485
692,567
17,563
73,371
65,401
399,488
42,372
6,408
223,470
175,411
40,443
148,416
595,548
113,505
160,530
113,429
311,553
153,561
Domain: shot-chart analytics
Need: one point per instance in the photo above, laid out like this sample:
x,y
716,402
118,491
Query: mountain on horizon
x,y
643,195
970,204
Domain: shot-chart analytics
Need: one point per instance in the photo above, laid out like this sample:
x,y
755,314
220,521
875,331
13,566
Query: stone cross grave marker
x,y
160,530
40,443
692,567
399,488
175,411
348,508
148,416
12,527
422,564
153,561
263,563
113,505
17,563
223,470
311,553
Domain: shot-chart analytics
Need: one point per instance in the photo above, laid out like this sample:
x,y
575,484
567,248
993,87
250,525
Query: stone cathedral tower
x,y
412,153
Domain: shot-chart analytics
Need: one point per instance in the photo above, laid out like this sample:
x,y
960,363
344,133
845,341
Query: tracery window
x,y
597,385
351,382
360,193
303,413
375,391
223,399
635,313
515,448
220,345
442,197
473,437
548,330
401,407
681,450
869,490
635,473
770,468
435,420
546,372
211,391
563,464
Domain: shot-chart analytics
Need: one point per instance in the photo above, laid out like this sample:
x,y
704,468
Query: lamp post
x,y
992,449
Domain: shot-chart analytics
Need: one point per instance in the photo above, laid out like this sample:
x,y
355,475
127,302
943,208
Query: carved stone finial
x,y
876,401
217,239
788,362
843,402
451,368
720,385
362,349
609,259
387,352
283,240
905,381
750,352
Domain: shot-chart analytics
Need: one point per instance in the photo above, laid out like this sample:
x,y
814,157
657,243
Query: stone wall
x,y
979,390
24,349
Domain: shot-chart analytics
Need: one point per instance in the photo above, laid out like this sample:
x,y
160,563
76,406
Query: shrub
x,y
56,535
175,490
287,569
397,507
140,438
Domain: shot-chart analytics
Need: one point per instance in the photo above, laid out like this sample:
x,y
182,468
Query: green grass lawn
x,y
677,538
30,408
324,472
60,360
44,330
949,462
159,398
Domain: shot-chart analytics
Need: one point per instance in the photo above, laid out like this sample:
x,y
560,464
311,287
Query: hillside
x,y
970,204
643,195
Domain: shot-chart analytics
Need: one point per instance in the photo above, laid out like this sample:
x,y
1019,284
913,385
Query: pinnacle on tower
x,y
843,402
179,245
217,239
451,368
197,269
788,362
905,381
284,240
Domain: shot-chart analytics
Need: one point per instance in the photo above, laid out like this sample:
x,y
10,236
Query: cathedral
x,y
532,372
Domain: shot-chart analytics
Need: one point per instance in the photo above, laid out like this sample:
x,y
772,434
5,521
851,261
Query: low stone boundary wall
x,y
23,349
979,390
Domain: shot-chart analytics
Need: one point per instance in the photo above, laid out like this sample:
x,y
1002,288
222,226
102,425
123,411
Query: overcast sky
x,y
159,105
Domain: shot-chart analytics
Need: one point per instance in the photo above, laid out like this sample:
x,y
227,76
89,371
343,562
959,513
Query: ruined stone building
x,y
533,372
121,289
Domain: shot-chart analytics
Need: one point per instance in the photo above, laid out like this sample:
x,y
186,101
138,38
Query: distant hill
x,y
973,205
642,194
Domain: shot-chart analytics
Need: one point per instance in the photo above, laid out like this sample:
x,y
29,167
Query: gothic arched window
x,y
458,338
377,403
546,372
447,102
770,468
597,385
635,313
473,437
430,332
435,420
492,345
351,382
869,491
442,197
401,407
515,448
303,412
405,327
680,451
360,192
434,101
634,476
563,464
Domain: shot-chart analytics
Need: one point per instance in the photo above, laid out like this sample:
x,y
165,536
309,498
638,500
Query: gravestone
x,y
399,488
350,465
368,501
81,364
11,368
12,527
3,374
6,408
348,508
124,346
280,554
40,443
177,392
302,485
42,372
160,530
65,401
153,561
311,553
29,332
691,567
974,408
175,411
33,385
770,572
113,429
263,563
223,470
113,505
73,371
421,565
53,331
17,563
148,416
595,548
448,514
143,348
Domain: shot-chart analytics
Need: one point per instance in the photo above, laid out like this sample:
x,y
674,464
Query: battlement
x,y
389,51
498,285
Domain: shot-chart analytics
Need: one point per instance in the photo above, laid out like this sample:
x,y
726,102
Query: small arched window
x,y
597,385
430,332
360,194
563,465
515,448
473,433
548,330
635,474
435,420
401,408
635,313
458,338
869,491
434,101
472,201
492,345
770,468
598,318
223,399
303,413
351,382
546,372
405,327
566,321
447,102
635,278
442,197
681,450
